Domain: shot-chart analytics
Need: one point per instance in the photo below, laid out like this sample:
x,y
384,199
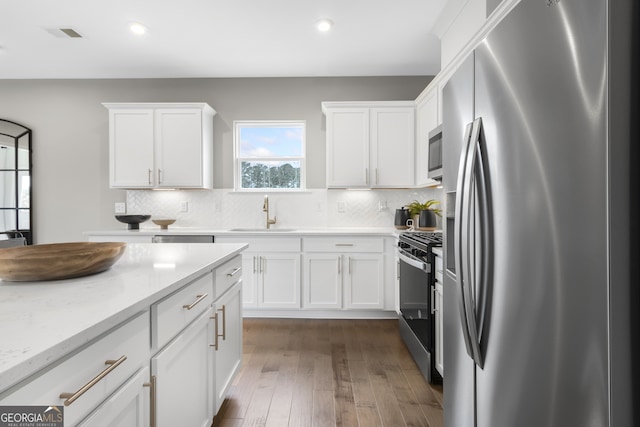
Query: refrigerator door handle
x,y
460,243
476,185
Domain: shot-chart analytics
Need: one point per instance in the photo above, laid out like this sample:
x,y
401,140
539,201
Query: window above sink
x,y
269,155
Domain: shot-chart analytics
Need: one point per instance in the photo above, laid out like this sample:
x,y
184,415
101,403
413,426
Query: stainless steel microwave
x,y
435,153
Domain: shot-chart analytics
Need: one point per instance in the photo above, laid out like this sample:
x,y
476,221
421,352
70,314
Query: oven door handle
x,y
414,262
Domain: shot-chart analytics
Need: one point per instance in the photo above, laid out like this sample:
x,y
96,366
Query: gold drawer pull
x,y
193,304
233,273
344,244
215,332
72,397
152,404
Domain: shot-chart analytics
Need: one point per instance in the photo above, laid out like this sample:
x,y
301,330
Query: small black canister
x,y
402,215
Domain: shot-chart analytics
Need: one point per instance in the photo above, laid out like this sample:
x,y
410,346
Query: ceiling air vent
x,y
70,32
64,33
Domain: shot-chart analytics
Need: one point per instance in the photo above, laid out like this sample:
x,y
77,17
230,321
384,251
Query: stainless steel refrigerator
x,y
538,328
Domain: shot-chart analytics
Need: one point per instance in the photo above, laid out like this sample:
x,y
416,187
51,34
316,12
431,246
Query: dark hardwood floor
x,y
316,372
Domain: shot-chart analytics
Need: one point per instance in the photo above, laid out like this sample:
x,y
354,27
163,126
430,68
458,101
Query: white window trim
x,y
237,180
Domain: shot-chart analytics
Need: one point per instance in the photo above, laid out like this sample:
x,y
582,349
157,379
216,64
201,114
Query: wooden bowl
x,y
58,260
163,223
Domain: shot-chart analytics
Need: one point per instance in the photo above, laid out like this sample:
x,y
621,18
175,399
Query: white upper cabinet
x,y
370,145
167,145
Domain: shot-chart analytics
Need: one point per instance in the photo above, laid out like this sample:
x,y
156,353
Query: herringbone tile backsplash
x,y
224,208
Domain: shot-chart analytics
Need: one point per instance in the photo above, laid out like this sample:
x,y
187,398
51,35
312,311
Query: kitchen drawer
x,y
128,342
343,244
227,274
264,244
175,312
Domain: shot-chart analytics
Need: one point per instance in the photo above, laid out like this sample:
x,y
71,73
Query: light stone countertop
x,y
276,230
41,322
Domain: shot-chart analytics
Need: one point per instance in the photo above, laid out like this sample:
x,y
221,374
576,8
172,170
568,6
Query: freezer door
x,y
458,381
541,93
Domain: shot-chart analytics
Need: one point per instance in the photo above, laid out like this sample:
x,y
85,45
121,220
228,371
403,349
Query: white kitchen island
x,y
127,321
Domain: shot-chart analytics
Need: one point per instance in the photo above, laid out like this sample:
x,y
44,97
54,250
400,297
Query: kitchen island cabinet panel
x,y
183,372
127,407
227,329
127,346
172,314
99,333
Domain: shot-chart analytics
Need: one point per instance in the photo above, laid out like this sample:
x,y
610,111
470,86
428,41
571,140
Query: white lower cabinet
x,y
227,341
271,271
183,372
278,280
364,281
322,282
127,407
351,279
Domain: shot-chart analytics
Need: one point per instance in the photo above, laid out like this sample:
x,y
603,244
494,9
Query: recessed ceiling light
x,y
324,25
137,28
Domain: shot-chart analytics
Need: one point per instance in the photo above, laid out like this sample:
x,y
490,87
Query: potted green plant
x,y
424,214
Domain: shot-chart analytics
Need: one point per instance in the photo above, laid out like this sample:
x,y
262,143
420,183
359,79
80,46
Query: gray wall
x,y
70,131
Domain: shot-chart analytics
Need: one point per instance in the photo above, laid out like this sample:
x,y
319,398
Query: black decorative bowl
x,y
133,220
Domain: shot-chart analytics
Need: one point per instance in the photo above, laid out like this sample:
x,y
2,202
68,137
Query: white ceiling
x,y
218,38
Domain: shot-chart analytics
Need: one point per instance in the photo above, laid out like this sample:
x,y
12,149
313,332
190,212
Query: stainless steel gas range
x,y
417,298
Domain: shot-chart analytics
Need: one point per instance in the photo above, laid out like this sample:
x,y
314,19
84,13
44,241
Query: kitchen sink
x,y
262,230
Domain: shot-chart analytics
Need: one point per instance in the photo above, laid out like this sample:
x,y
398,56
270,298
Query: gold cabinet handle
x,y
215,331
224,322
72,397
149,172
152,404
234,272
159,176
344,244
193,304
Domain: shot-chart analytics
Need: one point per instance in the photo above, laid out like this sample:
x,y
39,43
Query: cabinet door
x,y
184,376
279,281
348,147
179,146
127,407
364,281
131,143
228,351
392,147
426,121
250,280
323,280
